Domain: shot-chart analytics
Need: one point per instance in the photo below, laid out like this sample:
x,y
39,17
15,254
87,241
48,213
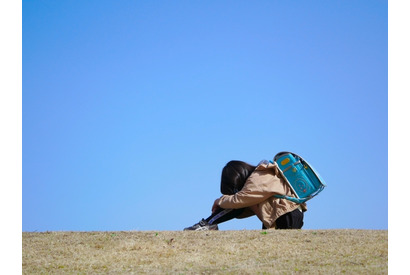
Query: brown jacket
x,y
258,190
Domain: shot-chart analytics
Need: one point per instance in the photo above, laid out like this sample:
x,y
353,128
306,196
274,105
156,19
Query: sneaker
x,y
202,226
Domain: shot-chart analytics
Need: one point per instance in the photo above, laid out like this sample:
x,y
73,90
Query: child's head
x,y
234,176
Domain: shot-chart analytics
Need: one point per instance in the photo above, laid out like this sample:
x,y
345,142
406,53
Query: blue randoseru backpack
x,y
304,181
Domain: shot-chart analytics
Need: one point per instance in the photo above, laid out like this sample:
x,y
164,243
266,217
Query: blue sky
x,y
130,109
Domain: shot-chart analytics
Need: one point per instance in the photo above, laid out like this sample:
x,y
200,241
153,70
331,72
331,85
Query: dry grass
x,y
212,252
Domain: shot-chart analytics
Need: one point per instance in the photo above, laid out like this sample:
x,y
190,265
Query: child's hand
x,y
215,206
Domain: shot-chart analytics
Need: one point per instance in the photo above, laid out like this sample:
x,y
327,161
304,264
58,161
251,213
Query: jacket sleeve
x,y
257,188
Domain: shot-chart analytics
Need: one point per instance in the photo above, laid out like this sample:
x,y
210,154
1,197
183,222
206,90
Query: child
x,y
249,190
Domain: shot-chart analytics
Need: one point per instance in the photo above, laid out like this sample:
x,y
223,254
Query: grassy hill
x,y
212,252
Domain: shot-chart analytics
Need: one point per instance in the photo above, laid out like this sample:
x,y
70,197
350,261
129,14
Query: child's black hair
x,y
234,176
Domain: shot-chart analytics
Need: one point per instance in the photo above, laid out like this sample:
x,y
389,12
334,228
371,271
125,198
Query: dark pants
x,y
291,220
222,215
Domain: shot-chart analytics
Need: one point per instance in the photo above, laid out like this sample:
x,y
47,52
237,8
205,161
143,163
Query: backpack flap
x,y
304,181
